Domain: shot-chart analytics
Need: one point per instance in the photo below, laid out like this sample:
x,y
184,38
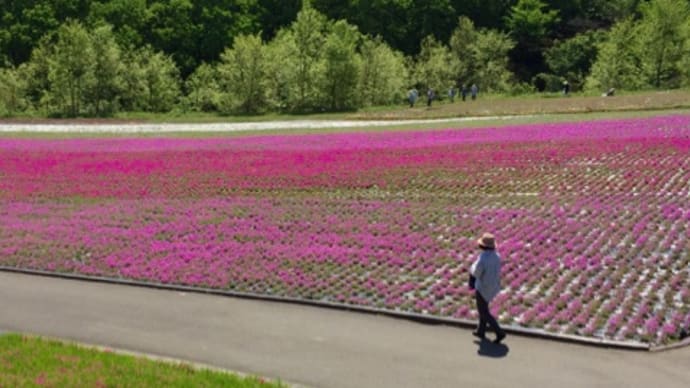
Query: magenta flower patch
x,y
592,219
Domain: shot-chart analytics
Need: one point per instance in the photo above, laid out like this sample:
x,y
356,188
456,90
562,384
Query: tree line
x,y
91,58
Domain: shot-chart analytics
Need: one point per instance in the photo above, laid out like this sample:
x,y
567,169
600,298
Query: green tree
x,y
35,74
162,80
276,14
662,40
531,24
617,64
11,92
243,77
282,68
530,21
572,58
70,69
133,94
203,91
128,18
22,24
684,64
151,81
383,75
197,31
612,11
341,67
491,52
462,45
436,67
481,56
484,13
104,92
308,34
172,30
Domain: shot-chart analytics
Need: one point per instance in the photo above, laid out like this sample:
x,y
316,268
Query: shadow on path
x,y
490,349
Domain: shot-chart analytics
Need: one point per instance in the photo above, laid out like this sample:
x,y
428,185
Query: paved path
x,y
313,346
228,127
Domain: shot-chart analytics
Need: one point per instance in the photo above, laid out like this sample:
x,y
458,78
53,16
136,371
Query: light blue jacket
x,y
487,270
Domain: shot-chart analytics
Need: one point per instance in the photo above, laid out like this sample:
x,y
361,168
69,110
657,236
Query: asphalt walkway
x,y
314,346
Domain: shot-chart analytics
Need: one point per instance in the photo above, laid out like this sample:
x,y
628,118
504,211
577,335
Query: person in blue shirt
x,y
486,271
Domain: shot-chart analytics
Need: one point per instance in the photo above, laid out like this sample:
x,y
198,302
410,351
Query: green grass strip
x,y
33,362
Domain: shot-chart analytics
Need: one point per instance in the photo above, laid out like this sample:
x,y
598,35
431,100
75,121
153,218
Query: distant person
x,y
486,280
412,96
430,95
610,93
474,90
464,92
566,87
451,93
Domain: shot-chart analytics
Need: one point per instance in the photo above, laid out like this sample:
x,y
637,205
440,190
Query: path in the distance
x,y
227,127
314,346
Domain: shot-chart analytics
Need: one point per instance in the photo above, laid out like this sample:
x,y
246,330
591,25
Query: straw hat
x,y
487,241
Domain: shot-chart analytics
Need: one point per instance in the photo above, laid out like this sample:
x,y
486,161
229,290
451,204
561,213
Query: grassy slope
x,y
27,361
484,106
394,126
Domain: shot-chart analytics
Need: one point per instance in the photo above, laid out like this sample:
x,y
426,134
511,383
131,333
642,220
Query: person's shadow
x,y
490,349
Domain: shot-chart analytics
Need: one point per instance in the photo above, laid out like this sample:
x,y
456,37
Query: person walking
x,y
464,92
486,271
430,95
412,97
474,90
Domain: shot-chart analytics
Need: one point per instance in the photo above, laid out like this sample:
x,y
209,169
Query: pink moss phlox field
x,y
592,218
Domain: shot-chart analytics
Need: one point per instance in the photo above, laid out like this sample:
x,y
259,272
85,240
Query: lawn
x,y
490,105
591,217
34,362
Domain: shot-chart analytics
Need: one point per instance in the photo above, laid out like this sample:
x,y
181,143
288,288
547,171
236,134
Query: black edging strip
x,y
416,317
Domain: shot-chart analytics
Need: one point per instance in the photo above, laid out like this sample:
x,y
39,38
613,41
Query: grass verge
x,y
29,361
485,106
459,123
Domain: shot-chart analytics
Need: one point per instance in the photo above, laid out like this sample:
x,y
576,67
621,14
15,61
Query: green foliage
x,y
103,92
617,64
572,58
436,66
243,76
341,67
79,57
462,45
35,75
128,18
662,41
203,90
281,71
302,47
401,23
22,25
490,51
133,94
532,24
529,21
71,66
150,81
547,82
383,75
481,56
651,52
11,91
161,80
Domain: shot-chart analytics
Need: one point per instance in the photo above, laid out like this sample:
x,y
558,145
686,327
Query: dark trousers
x,y
485,317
